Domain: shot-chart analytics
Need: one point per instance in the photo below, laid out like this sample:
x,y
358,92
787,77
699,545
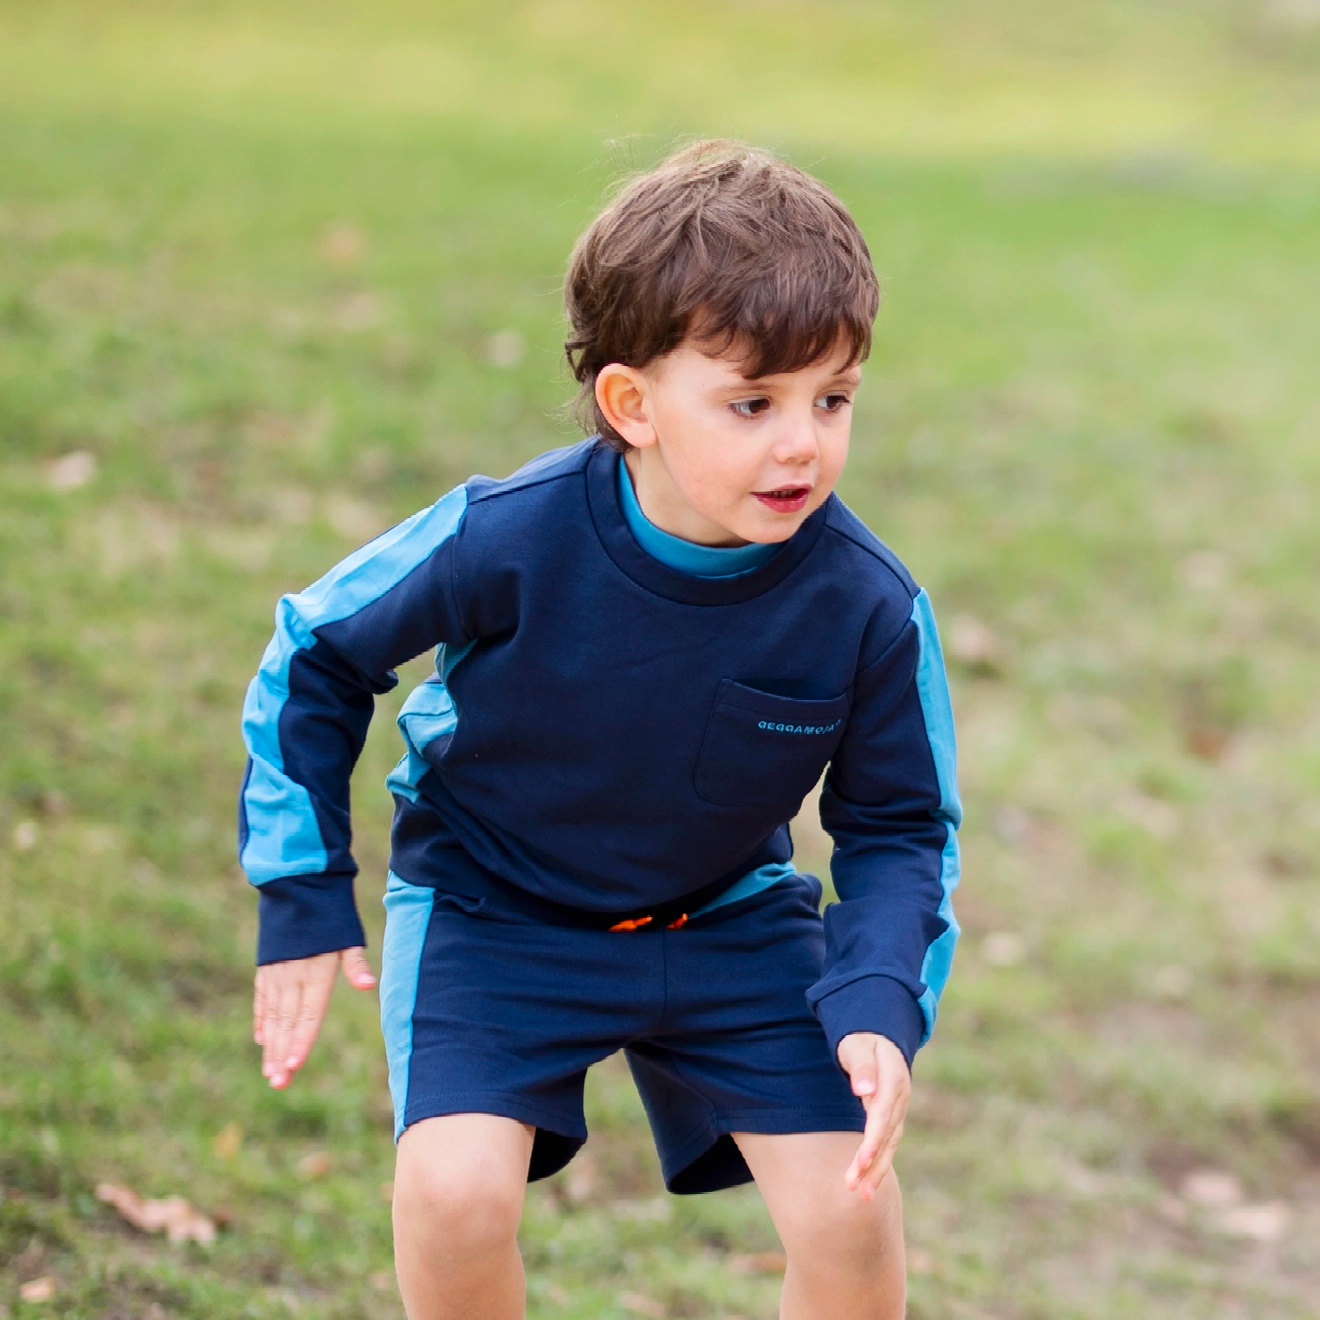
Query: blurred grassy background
x,y
274,275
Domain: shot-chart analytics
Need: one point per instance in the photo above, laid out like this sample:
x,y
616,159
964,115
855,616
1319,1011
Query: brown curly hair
x,y
726,243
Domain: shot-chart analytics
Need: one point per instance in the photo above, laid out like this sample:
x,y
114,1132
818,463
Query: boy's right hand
x,y
289,1005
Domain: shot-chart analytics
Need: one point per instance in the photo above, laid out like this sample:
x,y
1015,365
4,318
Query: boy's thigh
x,y
801,1176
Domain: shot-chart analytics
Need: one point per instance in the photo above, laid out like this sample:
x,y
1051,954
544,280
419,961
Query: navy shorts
x,y
490,1010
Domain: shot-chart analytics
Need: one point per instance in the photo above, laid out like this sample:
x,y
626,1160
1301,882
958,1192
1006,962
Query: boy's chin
x,y
758,525
773,529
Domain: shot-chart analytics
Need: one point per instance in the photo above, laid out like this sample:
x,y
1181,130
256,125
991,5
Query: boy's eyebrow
x,y
847,376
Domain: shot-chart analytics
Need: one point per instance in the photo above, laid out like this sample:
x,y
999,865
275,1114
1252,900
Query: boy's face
x,y
722,459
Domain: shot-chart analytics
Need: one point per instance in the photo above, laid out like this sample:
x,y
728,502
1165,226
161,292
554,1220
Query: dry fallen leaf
x,y
640,1304
976,645
342,244
1207,743
353,519
1159,819
1003,948
171,1215
37,1290
358,311
228,1141
1172,982
759,1262
1014,825
1212,1189
1204,570
315,1165
655,1208
71,471
1266,1222
581,1180
505,348
920,1261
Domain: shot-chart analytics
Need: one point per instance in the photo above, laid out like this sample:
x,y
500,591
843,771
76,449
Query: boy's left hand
x,y
881,1080
289,1003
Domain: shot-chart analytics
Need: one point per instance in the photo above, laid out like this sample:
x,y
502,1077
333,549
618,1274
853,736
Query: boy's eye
x,y
750,407
833,402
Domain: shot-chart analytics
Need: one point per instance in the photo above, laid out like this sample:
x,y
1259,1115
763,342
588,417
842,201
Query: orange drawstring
x,y
635,923
632,923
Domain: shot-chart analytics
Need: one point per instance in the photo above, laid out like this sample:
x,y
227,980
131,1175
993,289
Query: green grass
x,y
1090,424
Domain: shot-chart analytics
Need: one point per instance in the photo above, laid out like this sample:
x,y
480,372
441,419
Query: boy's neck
x,y
664,505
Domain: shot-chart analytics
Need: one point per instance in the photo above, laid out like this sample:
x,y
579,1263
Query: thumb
x,y
356,971
857,1058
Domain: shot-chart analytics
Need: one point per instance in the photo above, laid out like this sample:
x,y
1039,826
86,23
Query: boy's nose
x,y
797,442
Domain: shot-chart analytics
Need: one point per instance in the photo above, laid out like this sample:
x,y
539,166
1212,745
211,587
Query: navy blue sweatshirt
x,y
607,733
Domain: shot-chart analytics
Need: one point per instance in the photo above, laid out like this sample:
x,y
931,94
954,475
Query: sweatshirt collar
x,y
608,514
707,561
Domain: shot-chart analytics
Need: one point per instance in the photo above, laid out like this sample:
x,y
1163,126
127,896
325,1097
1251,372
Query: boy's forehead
x,y
734,361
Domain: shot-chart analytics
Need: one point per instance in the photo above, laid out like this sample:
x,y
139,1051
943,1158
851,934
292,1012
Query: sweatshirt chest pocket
x,y
761,750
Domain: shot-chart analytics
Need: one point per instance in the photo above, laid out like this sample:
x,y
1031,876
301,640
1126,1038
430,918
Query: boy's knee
x,y
457,1190
847,1238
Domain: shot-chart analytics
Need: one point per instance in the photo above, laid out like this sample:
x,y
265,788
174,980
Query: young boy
x,y
649,647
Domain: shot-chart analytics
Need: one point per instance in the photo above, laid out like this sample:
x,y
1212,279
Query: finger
x,y
886,1108
273,1000
258,1009
857,1058
894,1105
286,1016
882,1163
310,1015
270,999
357,972
877,1127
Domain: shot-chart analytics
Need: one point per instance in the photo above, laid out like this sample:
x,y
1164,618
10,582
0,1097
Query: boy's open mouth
x,y
784,499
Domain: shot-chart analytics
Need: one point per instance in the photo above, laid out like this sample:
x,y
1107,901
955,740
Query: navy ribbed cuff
x,y
303,915
873,1003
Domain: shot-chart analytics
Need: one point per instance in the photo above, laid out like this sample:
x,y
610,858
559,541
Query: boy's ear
x,y
621,395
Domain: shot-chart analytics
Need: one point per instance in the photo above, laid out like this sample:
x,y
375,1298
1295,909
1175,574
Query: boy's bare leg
x,y
458,1196
845,1254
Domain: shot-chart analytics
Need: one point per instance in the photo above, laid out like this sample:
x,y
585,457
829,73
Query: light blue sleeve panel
x,y
936,707
428,716
283,836
302,746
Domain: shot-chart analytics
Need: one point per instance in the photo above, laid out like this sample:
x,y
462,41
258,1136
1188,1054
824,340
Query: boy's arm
x,y
306,716
891,804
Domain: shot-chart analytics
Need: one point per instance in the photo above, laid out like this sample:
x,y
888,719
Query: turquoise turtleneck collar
x,y
707,561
